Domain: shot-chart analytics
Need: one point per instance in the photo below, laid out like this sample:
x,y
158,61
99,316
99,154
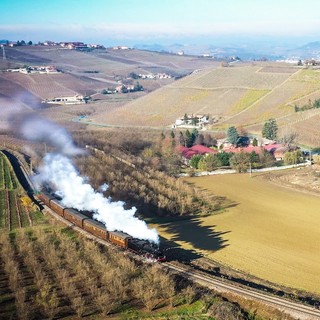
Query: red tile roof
x,y
269,148
272,147
202,149
188,153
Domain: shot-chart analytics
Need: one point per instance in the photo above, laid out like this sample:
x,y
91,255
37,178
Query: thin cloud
x,y
159,30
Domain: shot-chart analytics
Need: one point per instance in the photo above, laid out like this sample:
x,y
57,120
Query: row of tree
x,y
188,139
310,105
152,191
241,161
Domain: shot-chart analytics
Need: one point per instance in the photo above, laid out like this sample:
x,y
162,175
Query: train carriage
x,y
45,198
119,238
96,228
75,217
56,206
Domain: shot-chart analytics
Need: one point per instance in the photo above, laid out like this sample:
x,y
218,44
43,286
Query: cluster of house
x,y
192,121
278,150
154,76
36,69
75,45
311,62
11,44
123,88
77,99
120,48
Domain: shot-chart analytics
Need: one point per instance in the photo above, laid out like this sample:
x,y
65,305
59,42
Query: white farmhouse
x,y
77,99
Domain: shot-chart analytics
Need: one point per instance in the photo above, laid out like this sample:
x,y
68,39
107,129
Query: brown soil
x,y
305,179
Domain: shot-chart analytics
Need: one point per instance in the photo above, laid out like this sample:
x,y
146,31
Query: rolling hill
x,y
242,94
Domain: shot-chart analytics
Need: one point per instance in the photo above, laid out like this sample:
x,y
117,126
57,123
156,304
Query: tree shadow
x,y
221,202
191,231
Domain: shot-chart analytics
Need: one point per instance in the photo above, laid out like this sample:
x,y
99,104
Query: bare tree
x,y
189,294
21,304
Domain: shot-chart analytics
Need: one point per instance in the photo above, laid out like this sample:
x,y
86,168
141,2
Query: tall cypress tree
x,y
233,135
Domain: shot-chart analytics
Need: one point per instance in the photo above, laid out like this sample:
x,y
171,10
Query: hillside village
x,y
72,45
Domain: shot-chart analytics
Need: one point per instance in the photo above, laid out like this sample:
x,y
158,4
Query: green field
x,y
268,231
16,208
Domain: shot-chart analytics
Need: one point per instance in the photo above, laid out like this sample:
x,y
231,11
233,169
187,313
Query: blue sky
x,y
129,21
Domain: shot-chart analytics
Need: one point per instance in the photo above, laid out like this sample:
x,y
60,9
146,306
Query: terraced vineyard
x,y
55,84
16,210
241,95
223,93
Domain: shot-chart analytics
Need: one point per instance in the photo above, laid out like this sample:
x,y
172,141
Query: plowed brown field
x,y
271,232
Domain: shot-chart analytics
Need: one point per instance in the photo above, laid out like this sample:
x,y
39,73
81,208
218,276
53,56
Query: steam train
x,y
98,229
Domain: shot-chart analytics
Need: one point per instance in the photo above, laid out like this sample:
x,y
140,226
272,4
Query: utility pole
x,y
3,53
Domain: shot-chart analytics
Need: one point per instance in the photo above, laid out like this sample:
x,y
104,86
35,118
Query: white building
x,y
197,120
77,99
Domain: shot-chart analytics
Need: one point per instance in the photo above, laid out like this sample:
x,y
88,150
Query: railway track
x,y
300,311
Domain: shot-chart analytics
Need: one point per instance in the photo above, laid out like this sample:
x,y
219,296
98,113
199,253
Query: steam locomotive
x,y
98,229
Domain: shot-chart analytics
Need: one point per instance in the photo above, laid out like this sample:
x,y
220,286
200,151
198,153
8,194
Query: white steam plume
x,y
59,171
38,129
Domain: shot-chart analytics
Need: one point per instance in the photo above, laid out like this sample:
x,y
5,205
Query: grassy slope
x,y
271,232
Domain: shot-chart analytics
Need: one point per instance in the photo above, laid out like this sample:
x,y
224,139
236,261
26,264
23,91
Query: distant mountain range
x,y
251,50
309,50
245,52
